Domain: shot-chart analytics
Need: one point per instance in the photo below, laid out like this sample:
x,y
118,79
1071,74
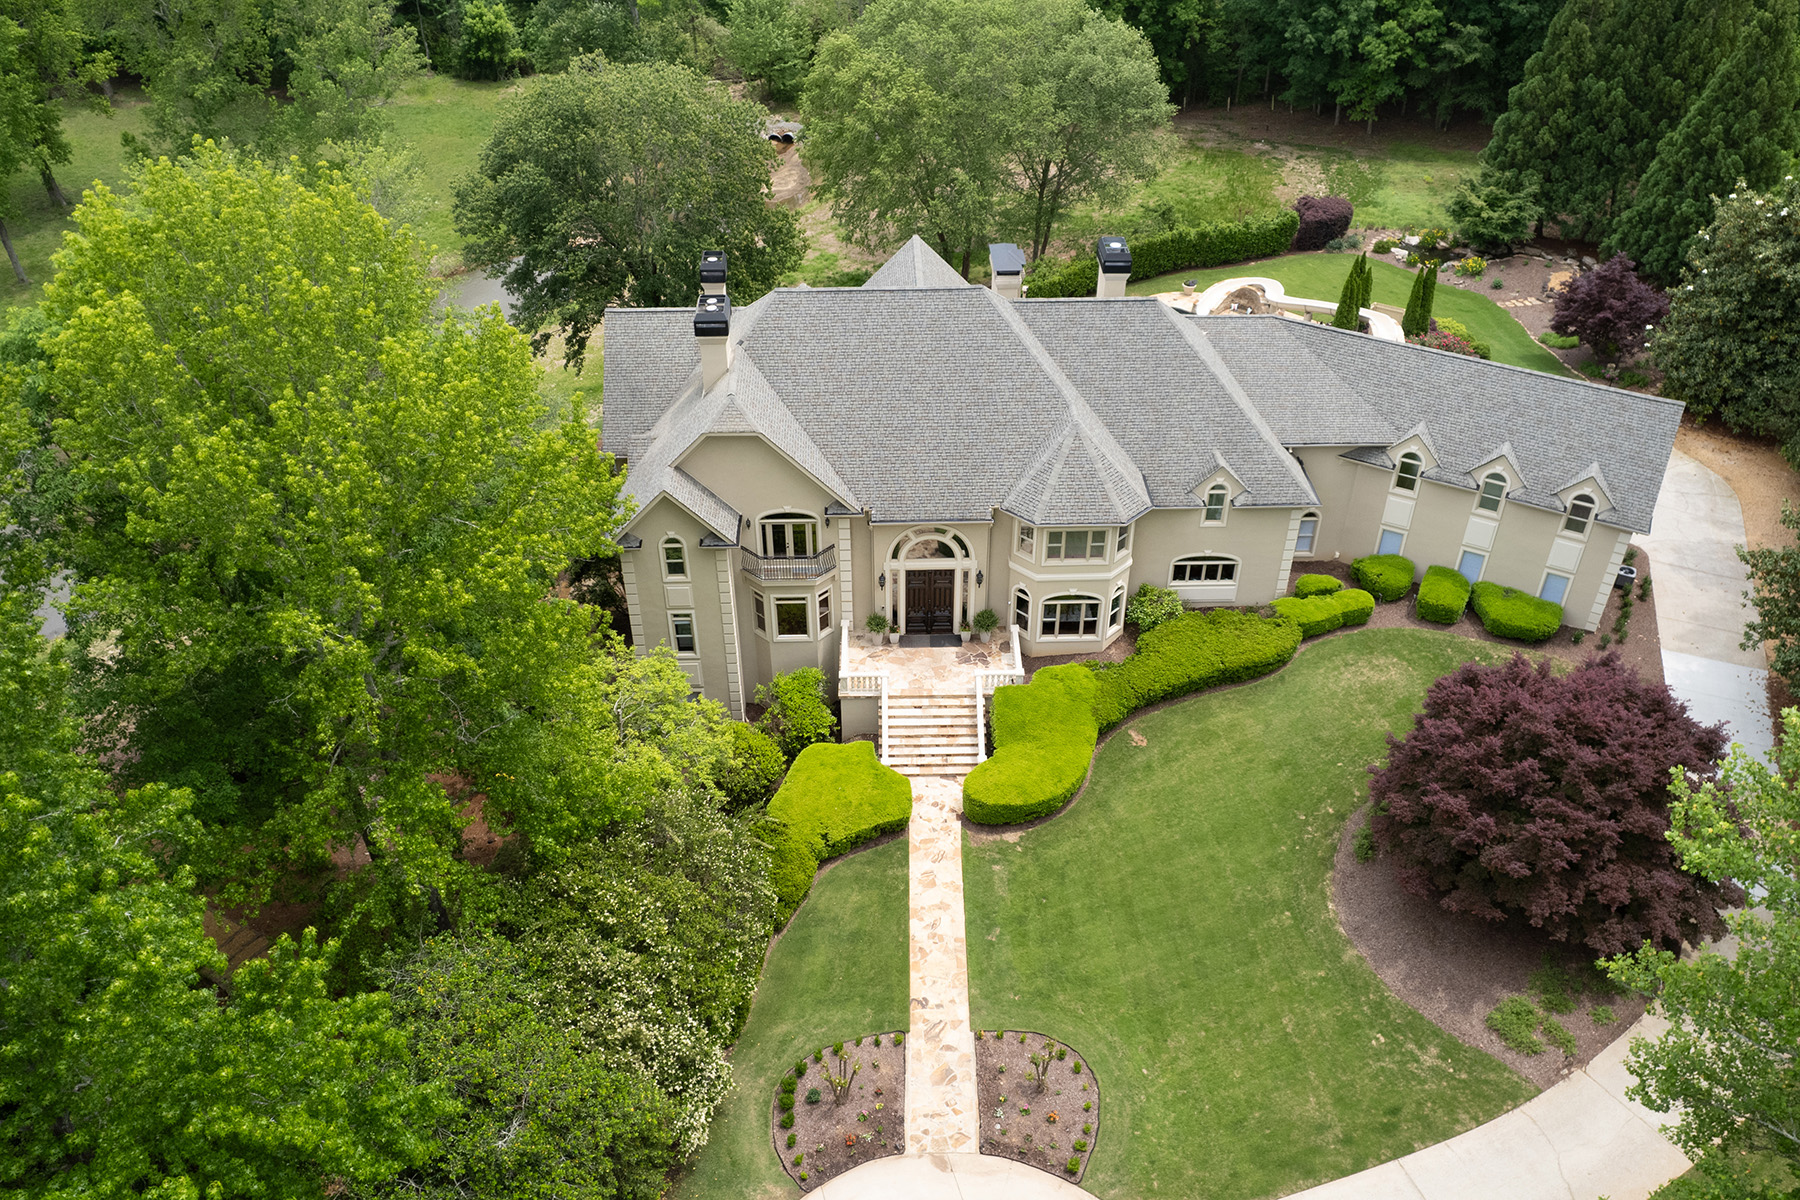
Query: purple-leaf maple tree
x,y
1521,794
1609,308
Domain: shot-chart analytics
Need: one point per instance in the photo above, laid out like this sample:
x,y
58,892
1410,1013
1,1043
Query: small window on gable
x,y
674,559
1493,490
1581,511
1216,496
1406,475
1309,532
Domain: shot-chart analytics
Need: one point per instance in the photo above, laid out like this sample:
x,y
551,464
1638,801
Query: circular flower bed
x,y
840,1106
1040,1103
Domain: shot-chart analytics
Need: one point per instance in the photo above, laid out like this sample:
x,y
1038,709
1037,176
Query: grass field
x,y
448,121
1321,277
839,971
1175,926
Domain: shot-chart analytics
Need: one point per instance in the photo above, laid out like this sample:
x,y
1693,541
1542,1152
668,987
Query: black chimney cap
x,y
712,266
712,317
1115,256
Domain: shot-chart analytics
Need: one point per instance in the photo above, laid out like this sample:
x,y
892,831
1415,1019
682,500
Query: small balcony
x,y
772,569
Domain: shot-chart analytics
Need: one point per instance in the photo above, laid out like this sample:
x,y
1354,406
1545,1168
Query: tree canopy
x,y
603,186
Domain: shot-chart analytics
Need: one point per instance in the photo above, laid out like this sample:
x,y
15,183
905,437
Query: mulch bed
x,y
1455,968
872,1116
1020,1122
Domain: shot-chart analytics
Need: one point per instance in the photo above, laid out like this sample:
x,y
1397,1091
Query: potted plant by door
x,y
965,633
876,624
893,633
985,624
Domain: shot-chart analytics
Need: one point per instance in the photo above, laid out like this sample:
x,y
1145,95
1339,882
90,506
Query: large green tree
x,y
58,65
603,186
1730,346
315,531
1727,1065
1740,132
19,126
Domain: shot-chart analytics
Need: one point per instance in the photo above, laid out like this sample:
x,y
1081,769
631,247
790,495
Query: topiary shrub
x,y
1316,585
1044,735
1386,576
1150,606
835,798
1443,594
1355,605
1314,614
1508,612
796,713
1322,218
1194,651
753,767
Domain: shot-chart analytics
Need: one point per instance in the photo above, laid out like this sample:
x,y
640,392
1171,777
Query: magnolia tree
x,y
1525,795
1609,308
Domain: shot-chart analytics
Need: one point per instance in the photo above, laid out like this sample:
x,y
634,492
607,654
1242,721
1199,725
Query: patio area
x,y
925,668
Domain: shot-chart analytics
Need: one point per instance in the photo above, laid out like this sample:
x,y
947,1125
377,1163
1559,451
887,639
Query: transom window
x,y
681,629
1070,616
790,535
1216,496
1493,490
790,616
1204,569
1406,475
674,559
1074,544
1309,531
1581,511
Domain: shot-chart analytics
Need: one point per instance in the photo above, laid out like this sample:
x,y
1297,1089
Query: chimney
x,y
712,334
1007,263
712,273
1115,267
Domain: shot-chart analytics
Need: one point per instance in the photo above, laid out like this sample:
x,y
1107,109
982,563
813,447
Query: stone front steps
x,y
931,734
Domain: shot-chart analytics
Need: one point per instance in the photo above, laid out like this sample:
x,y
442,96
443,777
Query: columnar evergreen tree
x,y
1740,132
1345,317
1416,320
1366,287
1730,346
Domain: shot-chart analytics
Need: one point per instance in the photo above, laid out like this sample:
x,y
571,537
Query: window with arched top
x,y
789,535
1309,533
1216,496
674,558
1070,616
1406,475
1581,511
1204,568
1493,491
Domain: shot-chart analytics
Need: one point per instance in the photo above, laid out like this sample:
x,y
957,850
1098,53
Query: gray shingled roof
x,y
921,398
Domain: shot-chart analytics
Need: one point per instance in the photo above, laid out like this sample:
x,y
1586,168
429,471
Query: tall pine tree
x,y
1739,132
1350,299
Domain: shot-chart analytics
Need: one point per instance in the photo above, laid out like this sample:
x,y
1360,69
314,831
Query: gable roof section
x,y
1297,391
650,356
916,265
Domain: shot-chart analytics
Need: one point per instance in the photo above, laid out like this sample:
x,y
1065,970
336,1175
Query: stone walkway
x,y
942,1113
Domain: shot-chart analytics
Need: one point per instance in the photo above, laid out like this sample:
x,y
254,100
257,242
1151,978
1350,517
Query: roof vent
x,y
712,334
712,272
1007,262
1115,266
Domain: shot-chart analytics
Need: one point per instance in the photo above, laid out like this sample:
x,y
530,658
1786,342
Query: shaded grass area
x,y
1411,182
1175,927
447,121
840,970
37,225
1321,277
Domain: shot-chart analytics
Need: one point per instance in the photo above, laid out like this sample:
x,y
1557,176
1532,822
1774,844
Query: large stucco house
x,y
926,448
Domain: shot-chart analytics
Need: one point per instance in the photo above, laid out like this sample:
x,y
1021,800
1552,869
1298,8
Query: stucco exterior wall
x,y
656,597
1258,538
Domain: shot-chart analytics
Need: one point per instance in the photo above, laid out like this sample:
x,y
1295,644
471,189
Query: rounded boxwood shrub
x,y
1196,650
1314,614
1316,585
1443,594
1355,605
1508,612
1386,576
1044,735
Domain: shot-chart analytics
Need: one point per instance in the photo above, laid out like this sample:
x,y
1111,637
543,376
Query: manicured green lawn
x,y
1412,183
448,121
1175,927
1321,277
838,971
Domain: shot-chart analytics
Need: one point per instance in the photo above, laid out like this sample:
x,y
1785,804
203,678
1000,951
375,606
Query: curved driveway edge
x,y
948,1177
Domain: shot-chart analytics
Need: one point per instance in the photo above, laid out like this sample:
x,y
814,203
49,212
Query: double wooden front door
x,y
930,601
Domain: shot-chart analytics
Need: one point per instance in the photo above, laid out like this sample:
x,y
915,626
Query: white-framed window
x,y
790,535
1022,608
674,558
824,612
1470,565
1216,496
1493,491
791,620
1581,511
1309,532
1124,539
1406,475
1393,541
1115,616
761,609
1554,588
1074,545
1204,568
1027,540
1070,616
681,632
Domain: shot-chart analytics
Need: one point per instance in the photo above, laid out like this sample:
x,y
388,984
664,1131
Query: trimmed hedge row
x,y
1316,585
1044,735
1322,614
1386,576
1207,245
835,798
1443,594
1194,651
1508,612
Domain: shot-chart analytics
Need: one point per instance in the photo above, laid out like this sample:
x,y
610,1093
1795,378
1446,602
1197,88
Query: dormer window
x,y
1493,491
1216,497
1406,475
1581,511
674,557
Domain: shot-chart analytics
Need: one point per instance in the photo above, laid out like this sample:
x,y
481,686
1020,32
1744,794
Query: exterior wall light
x,y
881,580
978,579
